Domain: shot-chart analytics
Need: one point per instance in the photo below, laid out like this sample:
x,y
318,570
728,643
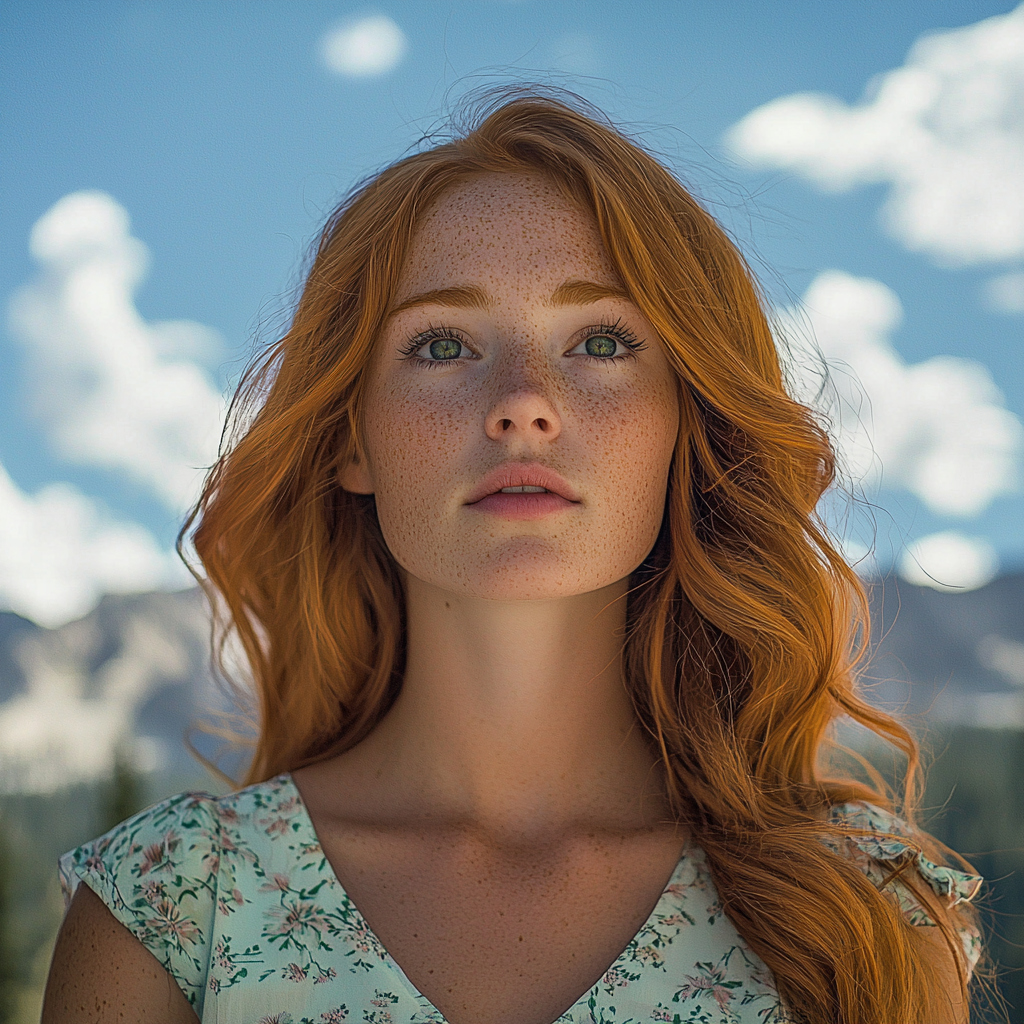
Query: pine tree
x,y
9,975
125,794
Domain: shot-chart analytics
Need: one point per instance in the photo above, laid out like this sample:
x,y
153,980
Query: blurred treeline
x,y
974,803
34,831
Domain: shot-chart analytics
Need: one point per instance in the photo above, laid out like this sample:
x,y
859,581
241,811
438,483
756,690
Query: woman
x,y
518,533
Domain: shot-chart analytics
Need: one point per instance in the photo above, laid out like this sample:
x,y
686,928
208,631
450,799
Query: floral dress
x,y
235,898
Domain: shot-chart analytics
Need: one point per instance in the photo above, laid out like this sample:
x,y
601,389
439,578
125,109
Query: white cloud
x,y
105,382
59,553
1005,293
370,46
937,428
949,561
945,131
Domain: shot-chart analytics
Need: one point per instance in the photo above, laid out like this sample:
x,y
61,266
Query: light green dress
x,y
235,898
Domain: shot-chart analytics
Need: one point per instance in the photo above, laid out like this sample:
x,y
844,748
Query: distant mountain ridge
x,y
953,657
136,671
133,673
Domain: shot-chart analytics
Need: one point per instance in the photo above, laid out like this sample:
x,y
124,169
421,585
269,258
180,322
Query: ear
x,y
355,476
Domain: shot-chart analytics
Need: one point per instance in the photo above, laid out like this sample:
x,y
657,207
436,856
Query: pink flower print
x,y
325,975
278,883
169,922
223,959
293,972
335,1016
157,856
366,942
227,815
675,920
94,862
275,826
214,986
661,1014
211,863
648,955
152,892
236,895
616,977
288,806
710,982
296,918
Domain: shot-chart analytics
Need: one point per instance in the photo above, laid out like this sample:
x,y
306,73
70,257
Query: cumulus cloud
x,y
360,49
945,131
937,428
949,561
59,552
112,390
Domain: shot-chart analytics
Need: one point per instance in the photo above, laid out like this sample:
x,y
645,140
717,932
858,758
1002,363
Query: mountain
x,y
134,675
951,657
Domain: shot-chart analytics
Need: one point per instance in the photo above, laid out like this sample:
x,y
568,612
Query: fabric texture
x,y
236,898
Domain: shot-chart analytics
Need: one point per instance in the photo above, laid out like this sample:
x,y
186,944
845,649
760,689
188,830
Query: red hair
x,y
744,624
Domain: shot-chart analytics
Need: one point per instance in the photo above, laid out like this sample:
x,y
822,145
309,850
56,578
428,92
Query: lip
x,y
522,474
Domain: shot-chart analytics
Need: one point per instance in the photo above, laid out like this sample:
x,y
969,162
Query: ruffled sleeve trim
x,y
890,842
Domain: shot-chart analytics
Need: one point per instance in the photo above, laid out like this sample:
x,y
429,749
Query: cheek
x,y
414,439
634,439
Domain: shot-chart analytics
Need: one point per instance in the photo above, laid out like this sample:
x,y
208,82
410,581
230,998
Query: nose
x,y
524,412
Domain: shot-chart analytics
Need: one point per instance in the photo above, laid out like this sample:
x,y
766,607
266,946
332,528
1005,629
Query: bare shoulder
x,y
101,973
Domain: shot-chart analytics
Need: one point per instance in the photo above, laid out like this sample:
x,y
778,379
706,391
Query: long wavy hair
x,y
744,624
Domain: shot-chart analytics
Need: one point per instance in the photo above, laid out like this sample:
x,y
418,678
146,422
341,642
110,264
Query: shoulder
x,y
160,871
877,836
885,848
156,873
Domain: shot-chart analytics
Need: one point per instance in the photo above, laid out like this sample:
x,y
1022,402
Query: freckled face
x,y
506,369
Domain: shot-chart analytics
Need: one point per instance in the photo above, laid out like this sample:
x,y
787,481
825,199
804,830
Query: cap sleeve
x,y
884,843
157,873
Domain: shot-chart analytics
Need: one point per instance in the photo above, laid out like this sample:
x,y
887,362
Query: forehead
x,y
501,231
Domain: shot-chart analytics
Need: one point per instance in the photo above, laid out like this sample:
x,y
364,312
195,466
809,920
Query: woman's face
x,y
513,352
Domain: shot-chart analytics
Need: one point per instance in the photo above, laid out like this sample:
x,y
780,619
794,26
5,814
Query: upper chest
x,y
493,933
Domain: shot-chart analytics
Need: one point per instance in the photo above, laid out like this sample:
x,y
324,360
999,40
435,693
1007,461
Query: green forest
x,y
974,802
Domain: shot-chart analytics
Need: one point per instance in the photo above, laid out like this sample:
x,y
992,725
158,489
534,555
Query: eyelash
x,y
617,330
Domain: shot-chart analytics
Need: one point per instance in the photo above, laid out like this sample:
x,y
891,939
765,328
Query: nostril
x,y
505,424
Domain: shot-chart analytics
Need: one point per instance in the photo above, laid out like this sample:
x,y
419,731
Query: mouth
x,y
526,481
522,490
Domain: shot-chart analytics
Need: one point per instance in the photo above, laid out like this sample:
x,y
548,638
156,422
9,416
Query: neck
x,y
514,716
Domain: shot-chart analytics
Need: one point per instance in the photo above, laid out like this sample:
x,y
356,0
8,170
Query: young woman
x,y
518,531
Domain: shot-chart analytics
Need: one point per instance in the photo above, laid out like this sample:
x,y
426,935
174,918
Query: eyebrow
x,y
568,293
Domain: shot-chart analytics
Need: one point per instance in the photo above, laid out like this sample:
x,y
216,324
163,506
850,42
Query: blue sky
x,y
221,131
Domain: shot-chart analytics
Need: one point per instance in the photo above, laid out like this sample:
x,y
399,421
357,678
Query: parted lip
x,y
521,474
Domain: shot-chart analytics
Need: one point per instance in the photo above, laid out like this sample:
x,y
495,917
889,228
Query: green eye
x,y
445,348
600,345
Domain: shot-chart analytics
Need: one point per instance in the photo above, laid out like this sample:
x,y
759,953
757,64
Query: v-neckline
x,y
396,967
